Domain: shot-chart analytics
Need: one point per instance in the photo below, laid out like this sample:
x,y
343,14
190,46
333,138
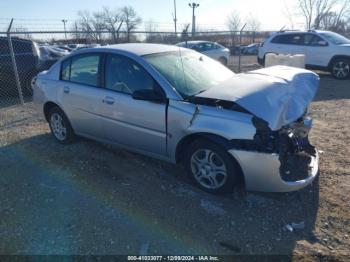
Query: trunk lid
x,y
279,95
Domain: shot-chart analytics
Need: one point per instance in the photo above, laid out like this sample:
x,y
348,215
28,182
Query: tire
x,y
340,68
223,61
60,126
202,157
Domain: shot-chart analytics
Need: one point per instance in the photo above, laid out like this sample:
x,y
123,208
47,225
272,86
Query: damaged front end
x,y
278,161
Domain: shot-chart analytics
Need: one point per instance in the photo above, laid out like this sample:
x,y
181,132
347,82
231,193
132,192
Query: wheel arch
x,y
48,106
222,141
337,57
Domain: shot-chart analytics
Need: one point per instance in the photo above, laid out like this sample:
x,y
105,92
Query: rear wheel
x,y
340,68
60,127
211,167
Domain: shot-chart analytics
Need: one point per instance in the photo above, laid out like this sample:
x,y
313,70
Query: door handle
x,y
108,100
66,90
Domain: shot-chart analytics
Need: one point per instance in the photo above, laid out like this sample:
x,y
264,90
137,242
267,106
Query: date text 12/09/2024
x,y
173,258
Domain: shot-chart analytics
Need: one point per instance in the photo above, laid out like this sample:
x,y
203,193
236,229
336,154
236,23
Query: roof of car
x,y
301,31
143,49
189,43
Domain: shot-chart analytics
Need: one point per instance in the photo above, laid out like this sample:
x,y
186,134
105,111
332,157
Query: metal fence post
x,y
240,49
14,64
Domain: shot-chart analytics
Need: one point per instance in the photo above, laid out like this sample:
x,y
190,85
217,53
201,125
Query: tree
x,y
113,21
337,20
314,11
233,22
150,28
131,20
91,24
184,34
253,25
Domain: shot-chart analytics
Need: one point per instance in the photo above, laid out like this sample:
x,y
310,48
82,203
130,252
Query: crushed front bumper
x,y
262,171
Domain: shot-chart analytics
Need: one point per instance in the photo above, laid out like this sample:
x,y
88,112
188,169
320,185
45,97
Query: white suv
x,y
323,50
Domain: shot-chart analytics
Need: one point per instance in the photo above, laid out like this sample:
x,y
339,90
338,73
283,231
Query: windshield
x,y
335,38
190,73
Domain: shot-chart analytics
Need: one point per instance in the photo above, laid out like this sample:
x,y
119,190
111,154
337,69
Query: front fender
x,y
186,119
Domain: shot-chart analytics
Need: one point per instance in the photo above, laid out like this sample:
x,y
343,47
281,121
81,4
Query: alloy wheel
x,y
58,127
341,69
208,169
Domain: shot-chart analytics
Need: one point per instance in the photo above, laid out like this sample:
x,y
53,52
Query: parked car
x,y
211,49
64,47
176,105
52,53
75,46
323,50
29,63
252,49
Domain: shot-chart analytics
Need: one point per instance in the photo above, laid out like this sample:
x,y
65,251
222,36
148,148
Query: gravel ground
x,y
90,198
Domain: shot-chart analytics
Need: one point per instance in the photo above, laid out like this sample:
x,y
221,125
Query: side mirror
x,y
148,95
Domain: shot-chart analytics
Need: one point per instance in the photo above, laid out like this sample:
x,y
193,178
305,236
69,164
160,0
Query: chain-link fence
x,y
24,54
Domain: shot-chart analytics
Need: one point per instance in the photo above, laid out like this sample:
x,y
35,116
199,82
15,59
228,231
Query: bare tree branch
x,y
131,19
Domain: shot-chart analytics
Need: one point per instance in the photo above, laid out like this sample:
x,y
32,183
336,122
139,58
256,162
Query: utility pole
x,y
193,6
64,21
175,18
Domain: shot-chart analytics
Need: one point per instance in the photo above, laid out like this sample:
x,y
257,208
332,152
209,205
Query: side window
x,y
65,70
198,48
126,76
210,46
85,69
312,40
288,39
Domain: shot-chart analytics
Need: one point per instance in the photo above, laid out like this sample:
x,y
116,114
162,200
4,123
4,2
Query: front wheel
x,y
211,167
340,68
223,61
60,127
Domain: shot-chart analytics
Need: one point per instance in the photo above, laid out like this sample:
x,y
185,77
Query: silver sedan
x,y
180,106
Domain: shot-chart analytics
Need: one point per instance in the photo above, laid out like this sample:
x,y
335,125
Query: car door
x,y
317,53
134,123
80,95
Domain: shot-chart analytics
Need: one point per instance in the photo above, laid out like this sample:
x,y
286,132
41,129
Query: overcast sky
x,y
272,14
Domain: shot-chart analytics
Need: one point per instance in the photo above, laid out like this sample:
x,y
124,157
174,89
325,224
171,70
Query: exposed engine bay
x,y
291,142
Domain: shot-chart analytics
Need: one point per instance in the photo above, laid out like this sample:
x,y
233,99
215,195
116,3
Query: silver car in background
x,y
211,49
180,106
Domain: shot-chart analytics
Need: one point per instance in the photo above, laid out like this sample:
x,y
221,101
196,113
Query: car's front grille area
x,y
296,167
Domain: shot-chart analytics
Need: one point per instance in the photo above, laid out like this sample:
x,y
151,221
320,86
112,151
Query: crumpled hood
x,y
279,95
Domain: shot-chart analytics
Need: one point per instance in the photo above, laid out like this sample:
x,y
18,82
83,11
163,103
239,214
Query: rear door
x,y
287,44
80,95
133,123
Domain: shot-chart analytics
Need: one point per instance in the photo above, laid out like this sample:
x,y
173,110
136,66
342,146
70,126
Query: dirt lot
x,y
90,198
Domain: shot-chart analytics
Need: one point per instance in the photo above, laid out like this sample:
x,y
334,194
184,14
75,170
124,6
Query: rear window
x,y
82,69
65,71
